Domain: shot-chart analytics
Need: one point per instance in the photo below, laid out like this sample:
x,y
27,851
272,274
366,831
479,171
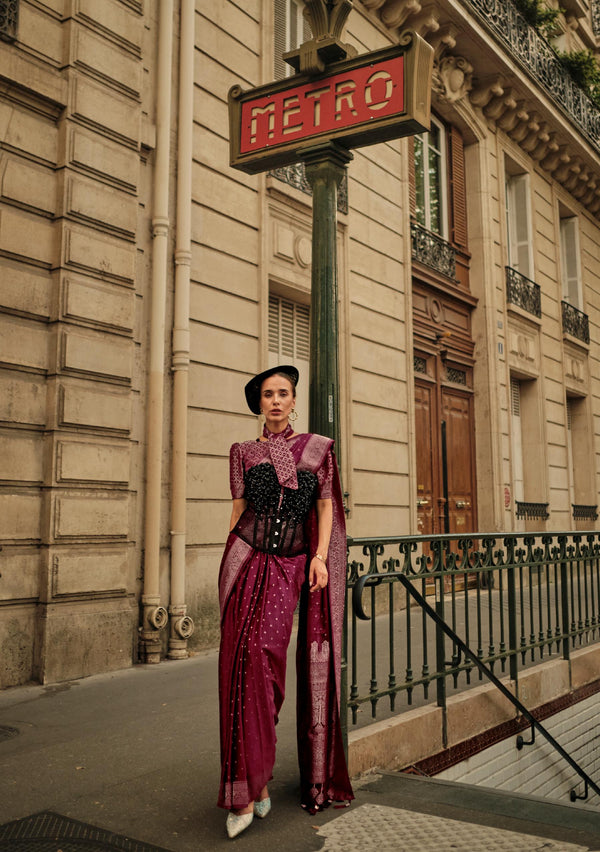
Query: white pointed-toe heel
x,y
236,823
262,808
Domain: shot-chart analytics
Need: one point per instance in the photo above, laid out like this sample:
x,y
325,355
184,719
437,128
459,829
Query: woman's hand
x,y
317,574
237,510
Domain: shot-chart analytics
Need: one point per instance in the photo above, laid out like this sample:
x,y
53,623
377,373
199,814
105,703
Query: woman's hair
x,y
287,376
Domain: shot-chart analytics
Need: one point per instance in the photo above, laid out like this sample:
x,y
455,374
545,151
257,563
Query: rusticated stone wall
x,y
71,168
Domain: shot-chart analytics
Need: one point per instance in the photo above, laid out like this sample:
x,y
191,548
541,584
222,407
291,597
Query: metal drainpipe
x,y
155,617
182,626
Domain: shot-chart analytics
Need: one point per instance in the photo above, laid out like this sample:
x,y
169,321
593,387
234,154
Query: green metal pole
x,y
325,168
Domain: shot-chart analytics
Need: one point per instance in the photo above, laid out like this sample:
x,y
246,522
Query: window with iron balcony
x,y
438,202
575,321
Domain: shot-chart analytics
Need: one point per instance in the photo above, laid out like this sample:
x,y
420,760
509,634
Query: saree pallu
x,y
258,595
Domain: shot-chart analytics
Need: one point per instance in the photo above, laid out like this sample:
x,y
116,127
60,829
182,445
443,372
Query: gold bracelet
x,y
318,556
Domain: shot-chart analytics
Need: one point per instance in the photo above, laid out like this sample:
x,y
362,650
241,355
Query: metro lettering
x,y
291,107
344,93
317,94
372,83
327,105
255,114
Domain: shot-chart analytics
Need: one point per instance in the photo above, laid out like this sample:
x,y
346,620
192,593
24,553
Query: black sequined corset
x,y
271,522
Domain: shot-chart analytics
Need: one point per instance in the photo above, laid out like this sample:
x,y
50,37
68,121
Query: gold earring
x,y
293,415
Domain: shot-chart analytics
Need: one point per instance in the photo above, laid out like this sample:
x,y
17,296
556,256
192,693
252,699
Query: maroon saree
x,y
258,593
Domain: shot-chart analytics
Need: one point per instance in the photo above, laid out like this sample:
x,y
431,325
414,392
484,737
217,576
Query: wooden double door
x,y
445,445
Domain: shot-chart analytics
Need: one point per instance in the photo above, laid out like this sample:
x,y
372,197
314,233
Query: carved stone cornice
x,y
395,13
443,39
486,89
466,70
452,78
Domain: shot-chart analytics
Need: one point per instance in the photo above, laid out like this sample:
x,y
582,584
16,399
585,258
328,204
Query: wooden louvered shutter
x,y
458,198
289,332
412,190
517,439
289,343
570,453
279,39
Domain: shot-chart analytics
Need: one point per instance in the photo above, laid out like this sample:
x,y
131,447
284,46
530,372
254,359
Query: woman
x,y
287,541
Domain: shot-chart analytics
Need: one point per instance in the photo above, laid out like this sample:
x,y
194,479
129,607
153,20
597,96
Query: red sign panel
x,y
359,101
323,106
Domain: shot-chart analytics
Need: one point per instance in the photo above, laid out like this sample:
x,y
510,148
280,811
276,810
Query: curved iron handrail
x,y
374,579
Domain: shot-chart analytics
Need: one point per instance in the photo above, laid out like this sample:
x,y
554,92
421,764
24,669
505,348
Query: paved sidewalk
x,y
136,753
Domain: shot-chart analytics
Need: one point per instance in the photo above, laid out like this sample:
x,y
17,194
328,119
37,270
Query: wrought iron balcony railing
x,y
516,599
295,175
575,322
9,19
540,62
595,9
585,513
532,511
523,293
433,251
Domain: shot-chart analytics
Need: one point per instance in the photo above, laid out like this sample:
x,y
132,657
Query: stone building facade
x,y
144,281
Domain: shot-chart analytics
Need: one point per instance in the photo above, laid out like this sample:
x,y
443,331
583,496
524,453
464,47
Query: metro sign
x,y
339,102
367,99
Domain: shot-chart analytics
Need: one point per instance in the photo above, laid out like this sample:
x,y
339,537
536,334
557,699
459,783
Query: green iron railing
x,y
484,670
515,599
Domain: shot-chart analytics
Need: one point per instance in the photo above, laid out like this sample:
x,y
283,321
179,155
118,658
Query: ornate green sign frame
x,y
360,101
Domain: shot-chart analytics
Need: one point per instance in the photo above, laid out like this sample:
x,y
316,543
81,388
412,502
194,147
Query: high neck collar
x,y
272,436
281,456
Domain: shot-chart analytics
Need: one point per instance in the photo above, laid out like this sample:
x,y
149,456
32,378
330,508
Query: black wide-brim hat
x,y
252,389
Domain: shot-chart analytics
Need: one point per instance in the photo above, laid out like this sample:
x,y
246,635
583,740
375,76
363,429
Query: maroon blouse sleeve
x,y
236,471
325,477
